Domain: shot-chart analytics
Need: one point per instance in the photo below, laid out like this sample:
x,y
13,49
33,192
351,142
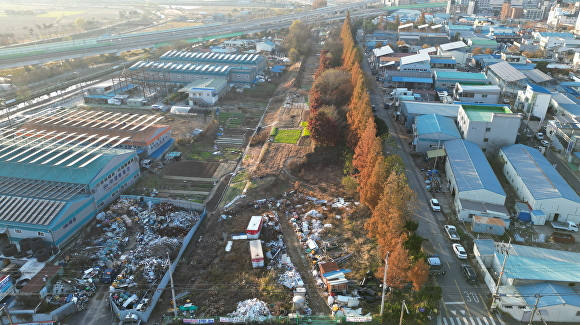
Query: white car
x,y
459,251
435,205
545,143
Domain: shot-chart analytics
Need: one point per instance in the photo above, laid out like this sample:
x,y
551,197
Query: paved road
x,y
462,303
96,313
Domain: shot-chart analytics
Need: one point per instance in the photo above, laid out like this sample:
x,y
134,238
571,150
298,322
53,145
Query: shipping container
x,y
254,227
256,253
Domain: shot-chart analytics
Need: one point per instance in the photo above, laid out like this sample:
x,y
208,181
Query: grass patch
x,y
305,131
274,132
234,190
240,176
288,136
56,14
304,124
201,155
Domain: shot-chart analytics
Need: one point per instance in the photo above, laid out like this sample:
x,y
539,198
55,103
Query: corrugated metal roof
x,y
506,72
538,174
539,89
452,46
420,57
435,123
552,294
412,79
383,51
422,108
484,207
566,103
443,61
460,75
470,167
555,34
539,269
480,88
537,75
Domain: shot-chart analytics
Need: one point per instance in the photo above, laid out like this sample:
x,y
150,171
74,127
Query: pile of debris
x,y
134,240
251,310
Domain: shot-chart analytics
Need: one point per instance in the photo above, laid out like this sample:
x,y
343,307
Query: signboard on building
x,y
6,286
198,321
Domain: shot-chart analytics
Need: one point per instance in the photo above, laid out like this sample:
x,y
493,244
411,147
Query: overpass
x,y
42,53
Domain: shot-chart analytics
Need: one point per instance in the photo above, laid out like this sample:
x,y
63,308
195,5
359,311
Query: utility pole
x,y
403,306
384,283
495,292
535,308
172,287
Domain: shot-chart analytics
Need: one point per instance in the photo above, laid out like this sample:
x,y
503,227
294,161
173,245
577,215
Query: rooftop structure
x,y
483,113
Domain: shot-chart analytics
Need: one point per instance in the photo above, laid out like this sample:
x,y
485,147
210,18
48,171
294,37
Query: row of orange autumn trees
x,y
381,181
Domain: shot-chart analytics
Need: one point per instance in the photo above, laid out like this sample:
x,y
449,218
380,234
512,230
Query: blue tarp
x,y
525,216
413,79
278,68
161,150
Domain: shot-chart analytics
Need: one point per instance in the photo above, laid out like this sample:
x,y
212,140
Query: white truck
x,y
566,225
451,232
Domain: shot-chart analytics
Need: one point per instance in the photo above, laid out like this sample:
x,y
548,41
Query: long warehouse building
x,y
59,170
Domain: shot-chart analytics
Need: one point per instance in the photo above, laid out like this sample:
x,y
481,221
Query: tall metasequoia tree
x,y
367,151
371,190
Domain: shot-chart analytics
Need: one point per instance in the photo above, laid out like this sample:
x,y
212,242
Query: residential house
x,y
205,92
458,50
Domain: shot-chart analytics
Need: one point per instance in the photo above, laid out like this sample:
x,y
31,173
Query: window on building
x,y
40,233
483,96
485,139
484,149
487,129
18,231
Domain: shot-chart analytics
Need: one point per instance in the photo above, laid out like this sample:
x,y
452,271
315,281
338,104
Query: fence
x,y
179,203
284,320
144,315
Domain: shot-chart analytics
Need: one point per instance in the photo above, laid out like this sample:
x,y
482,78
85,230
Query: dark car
x,y
374,109
469,273
387,106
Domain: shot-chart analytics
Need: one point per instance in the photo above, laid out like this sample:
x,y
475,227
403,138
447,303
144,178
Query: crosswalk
x,y
466,320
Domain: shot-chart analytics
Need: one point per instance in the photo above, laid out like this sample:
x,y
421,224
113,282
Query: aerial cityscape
x,y
311,162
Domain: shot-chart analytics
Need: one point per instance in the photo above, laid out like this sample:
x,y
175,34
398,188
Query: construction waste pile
x,y
134,241
251,310
310,218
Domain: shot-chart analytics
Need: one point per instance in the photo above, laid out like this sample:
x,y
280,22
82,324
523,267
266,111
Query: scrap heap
x,y
134,239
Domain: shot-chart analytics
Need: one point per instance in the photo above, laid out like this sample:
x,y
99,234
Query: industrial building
x,y
205,91
140,131
472,182
536,283
446,80
52,183
183,73
539,184
486,94
432,130
508,78
249,61
410,110
490,127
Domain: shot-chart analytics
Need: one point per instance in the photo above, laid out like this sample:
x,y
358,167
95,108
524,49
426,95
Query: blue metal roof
x,y
412,79
422,108
570,84
552,294
470,167
538,174
539,89
435,123
161,150
539,269
555,34
522,66
460,75
443,61
568,103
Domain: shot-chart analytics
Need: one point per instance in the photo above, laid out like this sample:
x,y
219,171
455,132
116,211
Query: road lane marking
x,y
454,302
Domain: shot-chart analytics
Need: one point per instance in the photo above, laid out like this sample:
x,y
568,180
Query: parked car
x,y
156,107
435,205
540,136
469,273
545,143
459,251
